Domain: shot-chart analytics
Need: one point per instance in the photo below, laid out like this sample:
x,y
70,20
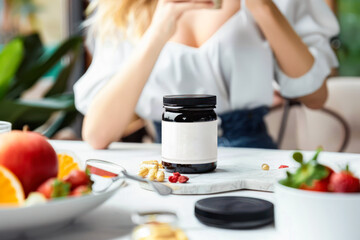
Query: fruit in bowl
x,y
55,202
313,176
29,156
77,183
315,202
11,191
31,172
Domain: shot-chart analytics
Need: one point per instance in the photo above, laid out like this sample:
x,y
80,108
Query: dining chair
x,y
344,97
336,127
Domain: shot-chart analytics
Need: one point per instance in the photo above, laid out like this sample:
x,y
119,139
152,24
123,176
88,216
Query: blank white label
x,y
189,143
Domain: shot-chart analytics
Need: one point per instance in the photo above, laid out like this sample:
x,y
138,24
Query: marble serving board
x,y
225,180
238,168
233,174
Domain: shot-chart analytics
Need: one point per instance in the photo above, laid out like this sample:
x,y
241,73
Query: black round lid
x,y
234,212
189,100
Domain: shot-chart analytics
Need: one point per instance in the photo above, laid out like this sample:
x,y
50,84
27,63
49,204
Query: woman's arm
x,y
292,54
332,4
112,108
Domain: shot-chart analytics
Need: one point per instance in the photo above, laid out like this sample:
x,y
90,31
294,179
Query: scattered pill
x,y
265,167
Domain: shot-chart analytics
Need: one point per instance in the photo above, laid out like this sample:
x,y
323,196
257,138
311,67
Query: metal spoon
x,y
160,188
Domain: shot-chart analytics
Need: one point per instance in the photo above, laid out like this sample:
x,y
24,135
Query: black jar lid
x,y
234,212
189,100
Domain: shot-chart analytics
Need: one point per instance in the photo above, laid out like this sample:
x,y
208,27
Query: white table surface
x,y
112,219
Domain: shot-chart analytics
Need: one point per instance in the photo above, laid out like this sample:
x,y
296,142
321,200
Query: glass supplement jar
x,y
189,133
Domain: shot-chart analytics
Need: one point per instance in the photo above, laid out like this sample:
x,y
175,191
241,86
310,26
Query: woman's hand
x,y
168,12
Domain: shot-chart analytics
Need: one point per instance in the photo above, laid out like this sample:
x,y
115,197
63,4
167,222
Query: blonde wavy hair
x,y
130,18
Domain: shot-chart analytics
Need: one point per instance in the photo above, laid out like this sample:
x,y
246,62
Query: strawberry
x,y
310,175
77,178
344,181
80,191
54,188
319,185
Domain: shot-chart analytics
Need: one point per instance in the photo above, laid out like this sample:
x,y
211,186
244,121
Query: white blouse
x,y
236,64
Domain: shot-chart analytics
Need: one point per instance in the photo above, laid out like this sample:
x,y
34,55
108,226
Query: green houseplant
x,y
349,51
23,62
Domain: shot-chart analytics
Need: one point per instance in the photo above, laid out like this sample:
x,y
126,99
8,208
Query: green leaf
x,y
27,78
307,173
91,182
301,175
34,49
318,151
63,119
297,156
61,102
34,63
318,172
10,59
60,189
36,112
288,181
61,81
55,124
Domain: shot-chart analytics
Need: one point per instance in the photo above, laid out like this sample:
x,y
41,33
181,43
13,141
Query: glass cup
x,y
5,127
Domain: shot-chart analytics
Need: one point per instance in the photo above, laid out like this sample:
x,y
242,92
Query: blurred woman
x,y
145,49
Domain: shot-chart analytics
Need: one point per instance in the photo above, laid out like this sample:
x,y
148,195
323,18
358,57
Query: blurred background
x,y
42,54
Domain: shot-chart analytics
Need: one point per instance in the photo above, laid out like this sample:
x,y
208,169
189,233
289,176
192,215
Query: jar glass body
x,y
185,118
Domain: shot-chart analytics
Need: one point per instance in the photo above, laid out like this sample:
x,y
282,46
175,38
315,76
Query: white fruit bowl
x,y
307,215
37,220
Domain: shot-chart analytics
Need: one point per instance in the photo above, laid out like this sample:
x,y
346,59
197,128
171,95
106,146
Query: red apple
x,y
29,156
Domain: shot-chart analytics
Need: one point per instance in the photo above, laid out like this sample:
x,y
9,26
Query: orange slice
x,y
11,191
66,164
